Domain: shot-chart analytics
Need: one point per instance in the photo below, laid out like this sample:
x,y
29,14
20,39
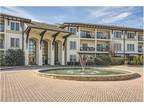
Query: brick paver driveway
x,y
26,85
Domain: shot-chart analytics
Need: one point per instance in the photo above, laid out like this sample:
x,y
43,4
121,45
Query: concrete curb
x,y
119,77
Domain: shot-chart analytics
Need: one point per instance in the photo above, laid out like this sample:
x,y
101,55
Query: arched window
x,y
32,51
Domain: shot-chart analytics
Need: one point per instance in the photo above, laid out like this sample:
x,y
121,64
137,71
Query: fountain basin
x,y
90,74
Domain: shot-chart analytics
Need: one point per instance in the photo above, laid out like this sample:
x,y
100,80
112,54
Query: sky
x,y
121,16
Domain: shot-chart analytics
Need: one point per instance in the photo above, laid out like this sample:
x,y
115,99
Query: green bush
x,y
103,60
138,60
98,61
2,61
14,57
141,58
117,61
108,60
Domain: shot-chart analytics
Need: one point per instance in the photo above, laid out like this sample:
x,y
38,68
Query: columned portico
x,y
45,45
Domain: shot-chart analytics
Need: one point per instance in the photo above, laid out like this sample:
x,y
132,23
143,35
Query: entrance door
x,y
44,58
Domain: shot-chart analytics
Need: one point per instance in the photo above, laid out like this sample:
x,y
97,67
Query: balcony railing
x,y
87,49
103,48
103,37
87,36
140,50
140,39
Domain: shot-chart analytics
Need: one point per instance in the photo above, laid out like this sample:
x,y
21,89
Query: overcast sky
x,y
122,16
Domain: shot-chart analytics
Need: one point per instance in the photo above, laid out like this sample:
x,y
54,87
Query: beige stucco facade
x,y
45,44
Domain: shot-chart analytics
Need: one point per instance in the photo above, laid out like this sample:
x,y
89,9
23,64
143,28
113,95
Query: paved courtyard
x,y
26,85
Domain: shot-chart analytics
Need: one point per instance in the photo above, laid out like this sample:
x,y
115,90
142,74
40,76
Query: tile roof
x,y
99,26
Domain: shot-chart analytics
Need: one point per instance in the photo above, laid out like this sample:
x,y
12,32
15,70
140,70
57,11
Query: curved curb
x,y
119,77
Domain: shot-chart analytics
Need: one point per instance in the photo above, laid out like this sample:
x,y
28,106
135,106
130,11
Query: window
x,y
117,34
17,26
72,45
85,45
130,47
12,42
117,47
140,38
131,35
1,27
32,51
14,26
15,42
72,58
1,40
73,30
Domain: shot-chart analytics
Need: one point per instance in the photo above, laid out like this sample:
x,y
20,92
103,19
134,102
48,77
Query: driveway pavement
x,y
26,85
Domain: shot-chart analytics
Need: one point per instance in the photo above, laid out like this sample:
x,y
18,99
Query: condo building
x,y
94,39
46,44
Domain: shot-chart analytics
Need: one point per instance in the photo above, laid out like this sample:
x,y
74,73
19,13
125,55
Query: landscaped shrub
x,y
2,61
103,60
73,63
14,57
141,58
138,60
117,61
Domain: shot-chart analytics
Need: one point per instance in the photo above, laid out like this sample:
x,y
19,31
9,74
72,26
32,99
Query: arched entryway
x,y
32,51
58,52
44,52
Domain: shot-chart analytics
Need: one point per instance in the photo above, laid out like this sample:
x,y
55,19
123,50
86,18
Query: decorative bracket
x,y
42,35
27,33
54,36
65,38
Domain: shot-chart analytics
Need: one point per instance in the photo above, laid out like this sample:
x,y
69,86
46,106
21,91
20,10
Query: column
x,y
78,50
26,51
95,42
136,42
63,55
39,55
52,54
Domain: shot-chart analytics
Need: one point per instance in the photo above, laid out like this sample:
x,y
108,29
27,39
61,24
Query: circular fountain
x,y
88,74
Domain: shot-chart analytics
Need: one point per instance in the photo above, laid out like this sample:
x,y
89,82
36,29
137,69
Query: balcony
x,y
103,48
103,35
140,50
86,34
87,49
1,27
140,38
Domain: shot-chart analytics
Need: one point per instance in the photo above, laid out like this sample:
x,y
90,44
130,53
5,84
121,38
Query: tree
x,y
14,57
